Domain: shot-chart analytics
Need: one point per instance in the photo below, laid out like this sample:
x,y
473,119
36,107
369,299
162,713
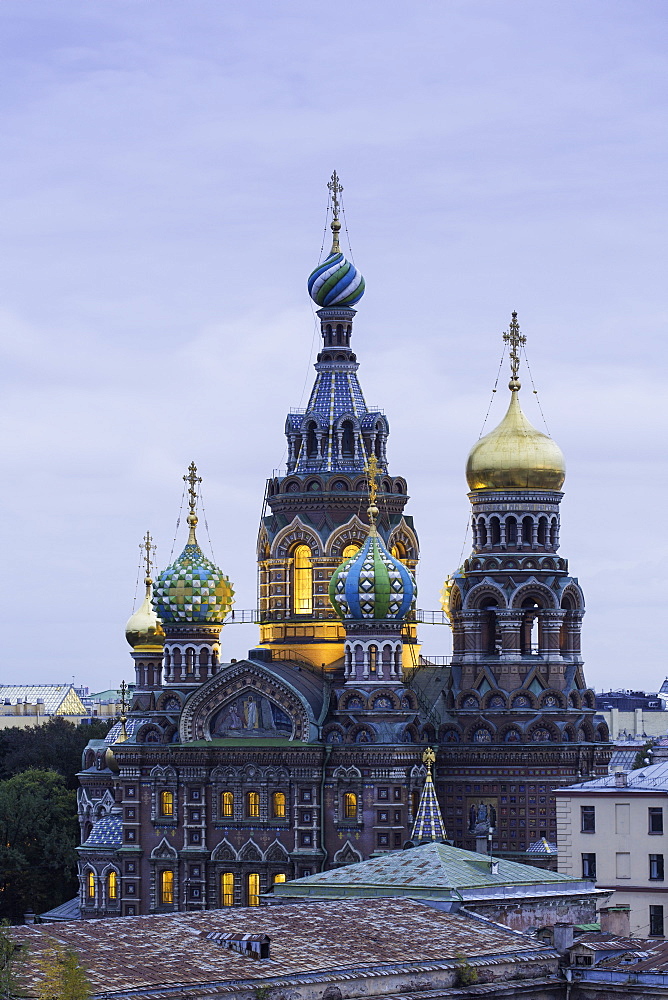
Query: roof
x,y
429,823
653,778
107,832
434,871
59,699
651,953
542,848
66,911
345,938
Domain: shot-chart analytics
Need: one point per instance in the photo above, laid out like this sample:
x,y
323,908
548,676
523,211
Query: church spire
x,y
428,825
335,190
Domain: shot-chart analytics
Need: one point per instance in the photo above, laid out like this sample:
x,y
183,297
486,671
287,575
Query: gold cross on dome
x,y
193,479
516,340
335,190
124,690
149,551
372,472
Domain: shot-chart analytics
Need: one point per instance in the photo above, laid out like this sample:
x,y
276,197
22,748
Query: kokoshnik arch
x,y
226,777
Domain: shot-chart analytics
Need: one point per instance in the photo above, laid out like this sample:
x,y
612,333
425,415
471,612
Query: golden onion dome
x,y
515,455
144,627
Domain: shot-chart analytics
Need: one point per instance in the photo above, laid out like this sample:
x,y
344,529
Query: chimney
x,y
562,937
621,779
616,920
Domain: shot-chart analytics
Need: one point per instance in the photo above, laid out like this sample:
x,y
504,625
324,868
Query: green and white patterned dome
x,y
192,589
372,584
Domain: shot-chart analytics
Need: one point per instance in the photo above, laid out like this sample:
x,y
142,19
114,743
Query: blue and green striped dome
x,y
192,589
372,584
336,282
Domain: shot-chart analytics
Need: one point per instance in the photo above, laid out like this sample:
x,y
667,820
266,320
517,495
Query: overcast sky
x,y
162,197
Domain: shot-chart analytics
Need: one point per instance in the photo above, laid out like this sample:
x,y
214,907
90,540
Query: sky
x,y
162,197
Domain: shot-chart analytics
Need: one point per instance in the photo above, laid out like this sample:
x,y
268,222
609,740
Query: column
x,y
510,623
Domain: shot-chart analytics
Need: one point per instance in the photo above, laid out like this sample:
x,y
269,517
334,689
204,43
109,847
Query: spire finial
x,y
148,549
193,479
429,758
335,190
428,825
123,733
371,474
516,340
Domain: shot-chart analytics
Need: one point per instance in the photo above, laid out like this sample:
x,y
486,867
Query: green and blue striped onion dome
x,y
336,282
372,584
192,589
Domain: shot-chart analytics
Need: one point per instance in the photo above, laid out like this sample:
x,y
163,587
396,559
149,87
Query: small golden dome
x,y
144,627
515,455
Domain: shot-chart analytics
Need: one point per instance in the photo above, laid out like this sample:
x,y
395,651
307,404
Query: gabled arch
x,y
352,531
293,534
250,852
276,852
351,773
405,535
347,855
485,589
532,589
224,851
164,850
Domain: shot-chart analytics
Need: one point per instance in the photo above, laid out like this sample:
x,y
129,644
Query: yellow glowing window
x,y
166,803
398,551
226,804
167,887
112,885
253,890
227,889
253,804
349,551
279,878
350,805
302,581
91,885
278,800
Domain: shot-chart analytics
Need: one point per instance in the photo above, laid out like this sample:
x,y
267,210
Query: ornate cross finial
x,y
123,734
149,551
516,340
335,190
371,474
124,690
429,758
193,479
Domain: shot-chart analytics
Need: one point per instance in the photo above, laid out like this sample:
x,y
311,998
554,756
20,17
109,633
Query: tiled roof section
x,y
66,911
163,951
59,699
133,724
651,778
107,832
651,954
429,823
542,848
432,866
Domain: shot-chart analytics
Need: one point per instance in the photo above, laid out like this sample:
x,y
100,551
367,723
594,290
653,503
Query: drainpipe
x,y
328,750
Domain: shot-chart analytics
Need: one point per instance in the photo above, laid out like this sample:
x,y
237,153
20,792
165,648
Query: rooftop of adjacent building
x,y
57,699
628,700
652,778
311,943
435,872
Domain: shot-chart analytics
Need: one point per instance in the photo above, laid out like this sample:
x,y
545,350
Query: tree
x,y
64,977
38,834
10,955
56,745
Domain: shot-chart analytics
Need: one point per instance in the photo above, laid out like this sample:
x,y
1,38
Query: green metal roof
x,y
434,870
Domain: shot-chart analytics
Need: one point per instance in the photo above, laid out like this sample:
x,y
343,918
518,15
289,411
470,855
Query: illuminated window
x,y
279,878
302,581
112,885
278,801
350,551
91,885
167,887
166,803
253,804
227,889
350,805
253,890
226,804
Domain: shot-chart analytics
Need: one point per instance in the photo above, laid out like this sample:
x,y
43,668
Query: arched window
x,y
90,885
529,637
553,533
399,551
167,887
253,889
542,531
373,659
278,804
527,531
495,530
112,885
511,531
311,440
279,877
253,804
491,635
350,805
350,551
166,803
227,804
348,439
302,581
227,889
482,532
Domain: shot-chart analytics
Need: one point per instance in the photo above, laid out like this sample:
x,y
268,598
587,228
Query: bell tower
x,y
315,515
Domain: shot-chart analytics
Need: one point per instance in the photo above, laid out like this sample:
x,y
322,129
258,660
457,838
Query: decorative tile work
x,y
192,589
372,584
336,282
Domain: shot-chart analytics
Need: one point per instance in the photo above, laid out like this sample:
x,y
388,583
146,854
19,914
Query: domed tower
x,y
191,598
314,519
517,679
145,634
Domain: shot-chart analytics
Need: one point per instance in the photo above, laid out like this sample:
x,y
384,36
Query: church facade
x,y
227,777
